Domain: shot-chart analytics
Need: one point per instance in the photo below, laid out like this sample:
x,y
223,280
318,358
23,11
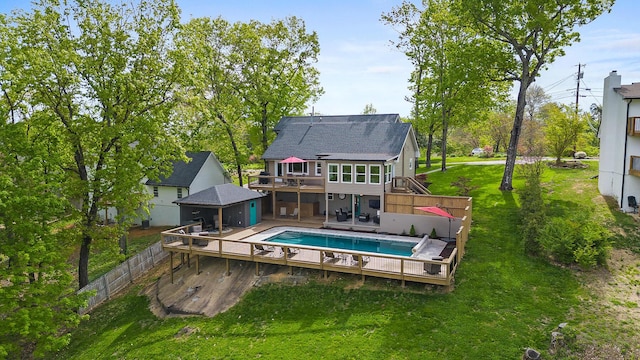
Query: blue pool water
x,y
390,247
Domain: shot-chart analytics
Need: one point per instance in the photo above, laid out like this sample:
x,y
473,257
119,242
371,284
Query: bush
x,y
575,240
532,216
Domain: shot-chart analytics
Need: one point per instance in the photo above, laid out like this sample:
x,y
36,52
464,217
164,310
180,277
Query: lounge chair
x,y
356,259
283,211
330,256
289,252
295,212
261,248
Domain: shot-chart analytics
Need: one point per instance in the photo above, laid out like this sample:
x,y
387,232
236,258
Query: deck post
x,y
402,271
197,264
228,271
188,260
325,274
171,265
257,268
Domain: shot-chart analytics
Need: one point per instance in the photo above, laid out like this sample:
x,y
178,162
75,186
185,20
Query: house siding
x,y
616,147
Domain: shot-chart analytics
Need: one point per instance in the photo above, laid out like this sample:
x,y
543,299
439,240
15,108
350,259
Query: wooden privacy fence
x,y
405,204
123,275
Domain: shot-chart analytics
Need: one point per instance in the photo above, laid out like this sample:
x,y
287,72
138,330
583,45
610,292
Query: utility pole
x,y
580,75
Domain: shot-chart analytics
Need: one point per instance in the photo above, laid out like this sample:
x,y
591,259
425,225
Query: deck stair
x,y
409,185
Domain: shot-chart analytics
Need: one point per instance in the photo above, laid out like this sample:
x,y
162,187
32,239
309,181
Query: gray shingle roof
x,y
220,195
630,91
350,137
183,173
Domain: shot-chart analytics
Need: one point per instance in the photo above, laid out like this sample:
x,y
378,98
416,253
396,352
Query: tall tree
x,y
37,289
102,77
532,34
212,83
454,78
277,69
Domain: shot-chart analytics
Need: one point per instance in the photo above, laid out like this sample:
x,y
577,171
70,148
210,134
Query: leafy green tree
x,y
276,68
213,83
102,80
451,61
37,292
562,128
532,34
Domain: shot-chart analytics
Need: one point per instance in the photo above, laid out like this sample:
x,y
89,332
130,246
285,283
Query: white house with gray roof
x,y
619,133
338,167
201,172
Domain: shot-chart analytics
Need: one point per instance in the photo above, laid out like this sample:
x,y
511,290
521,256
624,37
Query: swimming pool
x,y
334,241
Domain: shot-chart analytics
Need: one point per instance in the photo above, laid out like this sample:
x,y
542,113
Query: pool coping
x,y
430,249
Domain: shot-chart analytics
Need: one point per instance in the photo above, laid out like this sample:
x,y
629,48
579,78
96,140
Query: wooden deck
x,y
235,245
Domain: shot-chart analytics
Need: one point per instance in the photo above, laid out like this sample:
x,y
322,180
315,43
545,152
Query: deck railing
x,y
439,272
265,182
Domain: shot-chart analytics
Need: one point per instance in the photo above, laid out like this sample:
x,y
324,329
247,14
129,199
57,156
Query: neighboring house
x,y
619,134
338,167
202,172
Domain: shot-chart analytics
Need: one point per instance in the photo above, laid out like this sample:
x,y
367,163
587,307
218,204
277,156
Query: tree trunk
x,y
83,262
265,139
512,150
443,166
427,156
236,152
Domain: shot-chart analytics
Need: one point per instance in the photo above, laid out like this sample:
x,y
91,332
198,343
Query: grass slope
x,y
503,302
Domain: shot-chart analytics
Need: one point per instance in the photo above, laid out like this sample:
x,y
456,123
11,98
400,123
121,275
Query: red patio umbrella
x,y
292,160
435,210
438,211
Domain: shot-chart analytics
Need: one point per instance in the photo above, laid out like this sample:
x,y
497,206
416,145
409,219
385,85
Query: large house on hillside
x,y
619,134
339,167
201,172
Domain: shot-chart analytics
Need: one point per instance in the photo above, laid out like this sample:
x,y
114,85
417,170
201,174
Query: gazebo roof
x,y
220,196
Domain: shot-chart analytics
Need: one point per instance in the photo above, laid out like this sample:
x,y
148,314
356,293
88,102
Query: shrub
x,y
412,231
532,216
576,240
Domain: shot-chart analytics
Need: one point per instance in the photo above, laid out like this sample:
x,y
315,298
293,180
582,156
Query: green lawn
x,y
502,302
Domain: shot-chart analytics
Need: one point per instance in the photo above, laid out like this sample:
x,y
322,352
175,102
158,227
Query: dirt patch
x,y
616,305
213,290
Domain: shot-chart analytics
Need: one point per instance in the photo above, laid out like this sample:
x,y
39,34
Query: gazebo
x,y
221,205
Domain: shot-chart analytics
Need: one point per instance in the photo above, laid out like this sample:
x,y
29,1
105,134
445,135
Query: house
x,y
619,133
201,172
339,167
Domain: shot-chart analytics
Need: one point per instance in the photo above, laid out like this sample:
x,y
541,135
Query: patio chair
x,y
295,212
340,216
633,203
283,211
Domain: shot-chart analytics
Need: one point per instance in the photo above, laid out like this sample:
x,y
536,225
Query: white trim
x,y
337,173
318,168
380,175
343,173
355,168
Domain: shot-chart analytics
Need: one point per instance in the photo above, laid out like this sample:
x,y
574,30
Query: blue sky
x,y
358,66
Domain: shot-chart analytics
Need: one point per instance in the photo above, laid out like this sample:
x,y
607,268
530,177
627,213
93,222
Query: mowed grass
x,y
503,301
